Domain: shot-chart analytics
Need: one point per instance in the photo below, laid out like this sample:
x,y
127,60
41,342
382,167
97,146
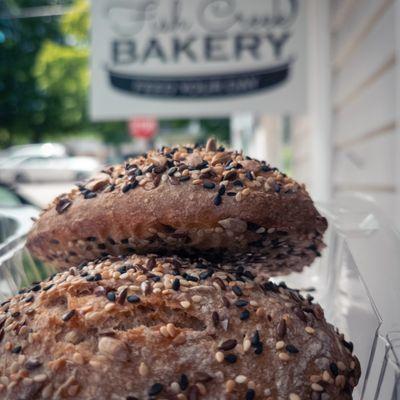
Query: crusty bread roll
x,y
189,201
163,328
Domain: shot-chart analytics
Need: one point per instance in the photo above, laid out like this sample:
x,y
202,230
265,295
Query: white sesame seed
x,y
229,385
143,369
246,345
175,387
284,356
171,329
241,379
197,299
316,387
40,378
164,331
219,356
185,304
280,345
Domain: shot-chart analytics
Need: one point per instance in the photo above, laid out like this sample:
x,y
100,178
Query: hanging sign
x,y
175,58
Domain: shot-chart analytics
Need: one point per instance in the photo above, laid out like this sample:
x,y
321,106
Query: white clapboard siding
x,y
374,51
372,110
350,23
364,110
370,163
339,10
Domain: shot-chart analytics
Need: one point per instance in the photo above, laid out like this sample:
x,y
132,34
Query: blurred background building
x,y
347,140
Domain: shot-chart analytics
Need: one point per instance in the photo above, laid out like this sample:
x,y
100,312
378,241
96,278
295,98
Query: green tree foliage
x,y
23,105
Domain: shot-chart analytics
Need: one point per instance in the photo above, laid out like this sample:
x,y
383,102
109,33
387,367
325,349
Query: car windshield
x,y
8,198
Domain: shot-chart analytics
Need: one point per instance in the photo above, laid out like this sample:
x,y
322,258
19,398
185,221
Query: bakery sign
x,y
174,58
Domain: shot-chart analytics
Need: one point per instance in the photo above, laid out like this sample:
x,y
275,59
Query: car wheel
x,y
21,178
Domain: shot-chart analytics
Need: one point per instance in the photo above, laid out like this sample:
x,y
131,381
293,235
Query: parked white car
x,y
48,169
33,150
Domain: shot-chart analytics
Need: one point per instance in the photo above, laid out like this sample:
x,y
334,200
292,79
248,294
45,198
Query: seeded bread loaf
x,y
165,328
188,201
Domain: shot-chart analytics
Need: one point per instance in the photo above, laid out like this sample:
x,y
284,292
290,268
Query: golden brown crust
x,y
151,327
192,201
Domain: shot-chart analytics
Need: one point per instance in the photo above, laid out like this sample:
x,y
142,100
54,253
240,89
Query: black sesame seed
x,y
241,303
348,345
32,364
184,178
255,340
183,382
215,318
219,282
90,278
205,274
334,369
68,315
133,299
265,168
172,170
250,394
277,188
89,195
202,165
230,358
221,190
258,348
29,299
36,288
236,289
244,315
122,296
209,185
292,349
238,183
97,277
62,205
217,200
231,194
281,329
228,345
249,175
300,314
190,277
111,296
16,350
155,389
176,284
122,269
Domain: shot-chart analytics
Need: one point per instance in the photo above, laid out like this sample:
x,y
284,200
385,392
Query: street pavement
x,y
42,194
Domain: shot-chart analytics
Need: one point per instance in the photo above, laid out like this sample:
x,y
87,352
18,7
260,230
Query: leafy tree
x,y
23,105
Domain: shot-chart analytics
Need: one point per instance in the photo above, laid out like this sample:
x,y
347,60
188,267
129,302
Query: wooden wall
x,y
364,100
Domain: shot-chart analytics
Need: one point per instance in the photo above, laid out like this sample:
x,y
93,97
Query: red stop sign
x,y
143,127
